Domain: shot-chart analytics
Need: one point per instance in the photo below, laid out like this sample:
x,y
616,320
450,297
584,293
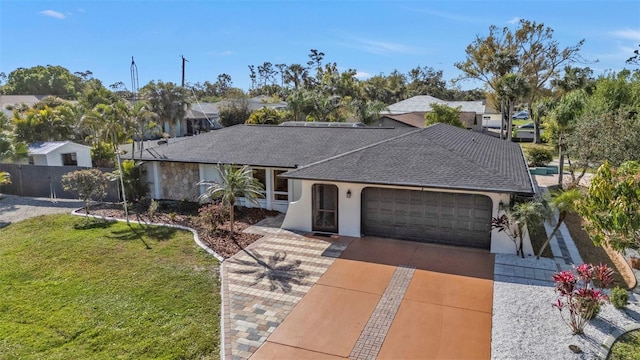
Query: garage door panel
x,y
445,218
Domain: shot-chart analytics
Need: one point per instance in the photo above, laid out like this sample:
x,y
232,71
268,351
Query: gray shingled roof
x,y
273,146
423,103
439,156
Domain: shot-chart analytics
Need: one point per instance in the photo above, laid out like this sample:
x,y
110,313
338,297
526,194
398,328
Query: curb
x,y
196,238
605,348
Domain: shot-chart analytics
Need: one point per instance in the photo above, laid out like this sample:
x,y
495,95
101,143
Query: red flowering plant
x,y
579,301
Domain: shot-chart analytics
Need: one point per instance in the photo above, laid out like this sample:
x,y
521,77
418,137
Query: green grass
x,y
627,347
72,288
528,145
521,122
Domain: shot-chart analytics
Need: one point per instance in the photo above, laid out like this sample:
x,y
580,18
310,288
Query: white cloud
x,y
53,14
446,15
515,20
362,75
383,47
627,34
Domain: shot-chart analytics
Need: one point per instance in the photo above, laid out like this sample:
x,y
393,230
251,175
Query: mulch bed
x,y
183,214
595,254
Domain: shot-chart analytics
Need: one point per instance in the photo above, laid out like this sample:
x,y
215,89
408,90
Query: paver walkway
x,y
264,283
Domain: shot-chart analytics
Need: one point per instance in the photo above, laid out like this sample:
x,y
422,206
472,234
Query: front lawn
x,y
72,288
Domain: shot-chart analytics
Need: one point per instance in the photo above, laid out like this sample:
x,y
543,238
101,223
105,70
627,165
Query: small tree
x,y
564,202
611,207
513,222
441,113
89,184
233,182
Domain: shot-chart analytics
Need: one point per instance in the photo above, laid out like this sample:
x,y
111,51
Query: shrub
x,y
88,185
577,296
153,208
133,176
619,297
211,216
539,156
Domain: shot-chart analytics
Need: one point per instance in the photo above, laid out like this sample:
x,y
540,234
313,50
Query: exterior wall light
x,y
349,194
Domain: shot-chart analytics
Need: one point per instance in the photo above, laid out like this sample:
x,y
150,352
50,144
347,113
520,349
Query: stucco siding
x,y
299,215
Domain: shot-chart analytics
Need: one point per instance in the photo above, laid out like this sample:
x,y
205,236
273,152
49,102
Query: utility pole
x,y
183,65
134,81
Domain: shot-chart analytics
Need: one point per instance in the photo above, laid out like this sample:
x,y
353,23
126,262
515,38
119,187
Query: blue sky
x,y
217,37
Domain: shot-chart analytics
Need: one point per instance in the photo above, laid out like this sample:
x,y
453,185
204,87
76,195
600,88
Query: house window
x,y
281,186
261,176
31,162
69,159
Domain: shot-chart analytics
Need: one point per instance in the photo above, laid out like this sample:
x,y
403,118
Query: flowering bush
x,y
578,296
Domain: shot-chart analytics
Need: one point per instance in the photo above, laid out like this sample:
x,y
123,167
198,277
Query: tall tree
x,y
426,81
143,122
538,56
509,89
109,123
563,117
366,111
635,59
45,124
44,80
169,101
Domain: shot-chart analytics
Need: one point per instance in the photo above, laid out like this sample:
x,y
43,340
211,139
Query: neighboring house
x,y
59,153
417,120
471,112
8,102
202,117
439,184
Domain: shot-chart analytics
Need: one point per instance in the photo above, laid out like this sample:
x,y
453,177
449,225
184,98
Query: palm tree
x,y
564,202
367,111
233,182
109,123
530,214
143,121
169,101
565,113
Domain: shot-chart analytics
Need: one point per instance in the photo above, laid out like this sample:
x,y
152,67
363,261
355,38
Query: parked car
x,y
525,132
522,115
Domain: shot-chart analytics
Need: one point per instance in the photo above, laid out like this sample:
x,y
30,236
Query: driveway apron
x,y
390,299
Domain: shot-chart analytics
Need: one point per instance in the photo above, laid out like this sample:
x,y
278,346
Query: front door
x,y
325,208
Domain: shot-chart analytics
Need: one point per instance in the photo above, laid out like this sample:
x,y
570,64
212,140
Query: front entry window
x,y
281,186
325,207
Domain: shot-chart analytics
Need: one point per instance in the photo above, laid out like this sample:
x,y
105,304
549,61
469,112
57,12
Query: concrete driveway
x,y
390,299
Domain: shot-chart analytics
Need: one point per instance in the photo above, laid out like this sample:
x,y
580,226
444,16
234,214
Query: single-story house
x,y
439,184
417,120
59,153
202,117
471,111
